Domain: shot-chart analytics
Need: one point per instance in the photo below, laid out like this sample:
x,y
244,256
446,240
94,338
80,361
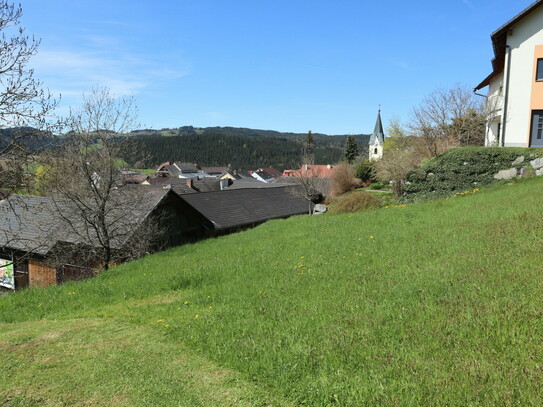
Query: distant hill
x,y
241,148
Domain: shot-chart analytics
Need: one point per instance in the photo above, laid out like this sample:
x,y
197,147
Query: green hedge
x,y
462,169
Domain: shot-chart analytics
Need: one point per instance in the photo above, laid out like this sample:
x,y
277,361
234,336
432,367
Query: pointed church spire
x,y
378,132
377,139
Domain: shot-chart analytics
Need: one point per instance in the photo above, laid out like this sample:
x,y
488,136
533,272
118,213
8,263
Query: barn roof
x,y
240,207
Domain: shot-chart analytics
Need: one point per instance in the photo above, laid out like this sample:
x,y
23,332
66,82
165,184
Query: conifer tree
x,y
351,150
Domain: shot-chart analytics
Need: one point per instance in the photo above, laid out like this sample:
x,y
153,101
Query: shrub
x,y
343,179
364,171
376,185
462,169
354,202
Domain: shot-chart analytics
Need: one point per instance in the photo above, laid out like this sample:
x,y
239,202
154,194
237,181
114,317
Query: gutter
x,y
506,97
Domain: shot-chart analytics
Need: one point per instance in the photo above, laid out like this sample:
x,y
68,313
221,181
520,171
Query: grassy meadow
x,y
430,304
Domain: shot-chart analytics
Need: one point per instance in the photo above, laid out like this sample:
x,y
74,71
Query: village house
x,y
515,85
180,170
266,174
215,171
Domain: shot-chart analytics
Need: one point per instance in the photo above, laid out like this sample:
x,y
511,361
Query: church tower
x,y
377,140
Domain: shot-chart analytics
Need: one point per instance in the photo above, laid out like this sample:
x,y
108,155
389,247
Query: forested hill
x,y
239,148
232,131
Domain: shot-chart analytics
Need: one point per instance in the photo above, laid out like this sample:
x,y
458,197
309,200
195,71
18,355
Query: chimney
x,y
190,182
329,166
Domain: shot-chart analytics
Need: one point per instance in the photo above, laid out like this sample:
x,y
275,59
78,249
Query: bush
x,y
364,171
343,179
462,169
376,186
354,202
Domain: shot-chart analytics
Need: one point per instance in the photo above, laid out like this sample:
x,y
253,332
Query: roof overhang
x,y
499,42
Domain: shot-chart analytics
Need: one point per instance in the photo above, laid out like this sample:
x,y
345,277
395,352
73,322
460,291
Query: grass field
x,y
430,304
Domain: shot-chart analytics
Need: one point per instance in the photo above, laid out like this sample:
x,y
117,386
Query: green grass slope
x,y
431,304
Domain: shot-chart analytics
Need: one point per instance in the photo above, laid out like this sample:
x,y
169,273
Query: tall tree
x,y
351,150
448,118
87,184
25,106
309,156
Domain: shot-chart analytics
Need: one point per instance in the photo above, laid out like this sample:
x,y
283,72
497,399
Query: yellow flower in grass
x,y
159,320
196,316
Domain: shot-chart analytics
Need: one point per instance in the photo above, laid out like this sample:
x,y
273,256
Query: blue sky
x,y
271,64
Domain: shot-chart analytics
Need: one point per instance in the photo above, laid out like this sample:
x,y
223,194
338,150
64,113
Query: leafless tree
x,y
26,112
309,185
25,106
99,210
448,118
395,164
343,179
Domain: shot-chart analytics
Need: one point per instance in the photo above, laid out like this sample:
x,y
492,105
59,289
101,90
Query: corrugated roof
x,y
240,207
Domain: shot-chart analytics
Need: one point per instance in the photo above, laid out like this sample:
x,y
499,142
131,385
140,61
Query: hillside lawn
x,y
431,304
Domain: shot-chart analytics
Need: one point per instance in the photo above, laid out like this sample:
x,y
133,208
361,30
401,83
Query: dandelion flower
x,y
196,316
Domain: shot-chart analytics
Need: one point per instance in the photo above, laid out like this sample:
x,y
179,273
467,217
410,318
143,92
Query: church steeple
x,y
377,139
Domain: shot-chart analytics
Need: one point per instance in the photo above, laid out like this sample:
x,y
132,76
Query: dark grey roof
x,y
378,132
215,170
207,185
172,169
188,167
231,208
26,224
182,189
254,183
164,181
35,224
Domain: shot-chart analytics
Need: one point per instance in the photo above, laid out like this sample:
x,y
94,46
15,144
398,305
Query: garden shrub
x,y
354,202
364,171
376,186
343,179
461,169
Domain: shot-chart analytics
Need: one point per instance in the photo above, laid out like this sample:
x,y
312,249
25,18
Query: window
x,y
375,151
539,71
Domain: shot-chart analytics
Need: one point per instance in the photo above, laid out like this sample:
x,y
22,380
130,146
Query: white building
x,y
377,140
515,86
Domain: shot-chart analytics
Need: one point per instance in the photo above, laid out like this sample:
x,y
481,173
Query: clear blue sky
x,y
283,65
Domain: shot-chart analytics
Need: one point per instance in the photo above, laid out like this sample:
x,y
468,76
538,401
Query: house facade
x,y
515,85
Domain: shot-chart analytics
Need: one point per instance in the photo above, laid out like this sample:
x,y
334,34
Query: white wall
x,y
526,35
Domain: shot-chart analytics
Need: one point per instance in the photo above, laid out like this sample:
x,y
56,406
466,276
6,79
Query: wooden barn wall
x,y
41,274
